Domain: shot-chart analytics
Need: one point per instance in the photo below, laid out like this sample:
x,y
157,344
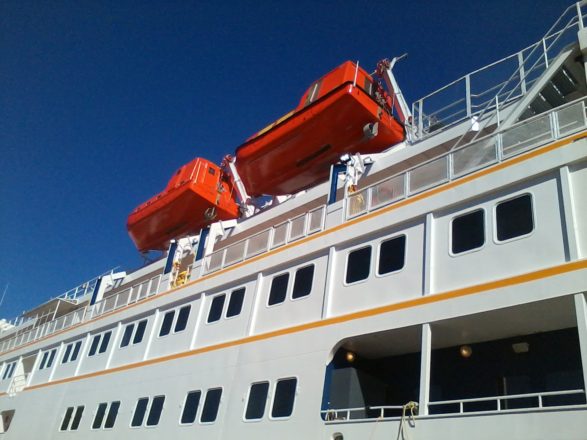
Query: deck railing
x,y
287,232
479,405
524,136
497,84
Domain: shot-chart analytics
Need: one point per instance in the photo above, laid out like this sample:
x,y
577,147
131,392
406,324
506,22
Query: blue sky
x,y
101,101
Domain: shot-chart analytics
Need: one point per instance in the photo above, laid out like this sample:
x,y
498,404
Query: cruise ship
x,y
435,289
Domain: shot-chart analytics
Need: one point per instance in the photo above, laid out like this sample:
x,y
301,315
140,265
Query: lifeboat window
x,y
190,407
358,265
235,305
278,290
211,405
155,411
216,308
514,218
112,414
166,324
139,413
468,231
182,319
303,282
392,255
257,401
283,400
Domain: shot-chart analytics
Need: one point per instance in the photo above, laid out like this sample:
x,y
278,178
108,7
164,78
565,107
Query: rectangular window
x,y
257,401
468,232
303,282
66,419
283,400
190,407
235,305
9,371
99,417
514,218
77,418
211,405
166,324
139,413
182,319
155,411
44,360
76,349
216,308
392,255
105,340
140,333
278,290
358,265
112,414
128,330
94,346
66,355
51,358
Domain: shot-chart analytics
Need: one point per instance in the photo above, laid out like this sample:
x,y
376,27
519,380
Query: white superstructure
x,y
444,298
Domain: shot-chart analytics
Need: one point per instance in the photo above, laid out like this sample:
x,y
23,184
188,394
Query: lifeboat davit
x,y
198,194
335,116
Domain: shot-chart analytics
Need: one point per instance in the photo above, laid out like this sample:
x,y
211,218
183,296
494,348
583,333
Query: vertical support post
x,y
579,15
426,354
522,72
545,53
468,94
420,119
428,249
581,312
568,214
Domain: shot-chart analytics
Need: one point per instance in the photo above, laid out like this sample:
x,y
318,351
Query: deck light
x,y
350,356
466,351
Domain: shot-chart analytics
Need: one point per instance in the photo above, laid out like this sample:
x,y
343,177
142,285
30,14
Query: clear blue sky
x,y
100,101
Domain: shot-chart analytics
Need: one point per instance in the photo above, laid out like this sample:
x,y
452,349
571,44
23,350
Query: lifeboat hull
x,y
297,152
196,196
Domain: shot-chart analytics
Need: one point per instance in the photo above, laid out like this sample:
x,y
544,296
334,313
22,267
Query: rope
x,y
402,433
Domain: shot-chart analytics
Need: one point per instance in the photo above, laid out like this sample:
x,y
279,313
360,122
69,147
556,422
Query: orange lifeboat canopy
x,y
296,151
198,194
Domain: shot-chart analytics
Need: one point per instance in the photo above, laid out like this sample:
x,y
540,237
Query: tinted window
x,y
94,345
166,324
358,265
139,414
211,405
278,289
66,355
468,231
192,401
514,218
182,319
105,341
66,419
76,349
51,358
283,401
97,424
257,401
303,282
112,414
155,412
43,360
127,335
140,333
216,308
392,254
235,305
77,418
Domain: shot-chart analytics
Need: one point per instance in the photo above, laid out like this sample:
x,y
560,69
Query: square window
x,y
514,218
468,231
392,255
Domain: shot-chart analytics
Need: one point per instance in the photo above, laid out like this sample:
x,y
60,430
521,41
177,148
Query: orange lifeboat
x,y
332,118
198,194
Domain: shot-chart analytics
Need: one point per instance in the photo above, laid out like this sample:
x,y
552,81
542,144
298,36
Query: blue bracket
x,y
201,243
335,170
170,255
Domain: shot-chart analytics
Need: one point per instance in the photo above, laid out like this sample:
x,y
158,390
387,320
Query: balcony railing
x,y
524,136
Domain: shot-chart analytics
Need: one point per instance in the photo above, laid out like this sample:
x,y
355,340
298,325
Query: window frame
x,y
451,235
174,312
346,264
212,299
378,254
99,338
295,277
532,213
286,274
274,393
244,295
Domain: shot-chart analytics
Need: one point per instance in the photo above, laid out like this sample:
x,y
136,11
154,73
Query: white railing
x,y
503,403
524,136
362,413
133,294
271,238
497,84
